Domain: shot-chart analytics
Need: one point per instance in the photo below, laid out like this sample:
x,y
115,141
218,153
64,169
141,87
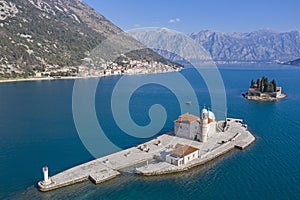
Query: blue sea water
x,y
37,128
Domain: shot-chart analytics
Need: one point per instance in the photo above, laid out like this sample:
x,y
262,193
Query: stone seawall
x,y
236,135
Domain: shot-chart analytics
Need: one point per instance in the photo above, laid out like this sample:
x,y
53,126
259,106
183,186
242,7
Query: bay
x,y
37,129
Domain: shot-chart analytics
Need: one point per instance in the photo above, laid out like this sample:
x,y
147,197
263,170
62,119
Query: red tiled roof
x,y
183,150
187,118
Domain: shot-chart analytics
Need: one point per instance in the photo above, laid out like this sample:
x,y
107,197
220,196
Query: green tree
x,y
261,85
271,88
273,82
257,81
266,87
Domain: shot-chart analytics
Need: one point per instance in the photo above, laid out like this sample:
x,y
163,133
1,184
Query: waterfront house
x,y
182,154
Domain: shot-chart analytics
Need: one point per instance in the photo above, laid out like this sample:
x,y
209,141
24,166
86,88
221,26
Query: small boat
x,y
188,103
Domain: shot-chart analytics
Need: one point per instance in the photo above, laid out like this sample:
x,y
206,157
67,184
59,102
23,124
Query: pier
x,y
235,135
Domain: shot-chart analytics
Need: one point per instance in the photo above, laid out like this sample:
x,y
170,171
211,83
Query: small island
x,y
264,91
195,141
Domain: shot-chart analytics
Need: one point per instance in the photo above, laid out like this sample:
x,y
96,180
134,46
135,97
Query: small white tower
x,y
46,181
204,126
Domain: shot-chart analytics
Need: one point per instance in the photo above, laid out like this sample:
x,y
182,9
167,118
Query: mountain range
x,y
293,62
257,46
171,44
263,46
54,33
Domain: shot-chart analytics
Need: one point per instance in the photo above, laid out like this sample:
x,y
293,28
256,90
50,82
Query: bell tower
x,y
204,125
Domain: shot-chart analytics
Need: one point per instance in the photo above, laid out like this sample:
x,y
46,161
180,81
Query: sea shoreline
x,y
41,79
264,99
234,135
72,77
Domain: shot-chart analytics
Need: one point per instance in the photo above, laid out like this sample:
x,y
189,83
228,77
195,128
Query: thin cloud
x,y
136,25
176,20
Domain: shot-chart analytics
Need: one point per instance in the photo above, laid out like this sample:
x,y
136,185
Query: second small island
x,y
265,91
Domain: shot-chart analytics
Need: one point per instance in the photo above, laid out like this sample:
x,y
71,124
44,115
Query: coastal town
x,y
128,67
195,141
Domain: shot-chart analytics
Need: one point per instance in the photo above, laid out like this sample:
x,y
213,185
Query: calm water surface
x,y
37,128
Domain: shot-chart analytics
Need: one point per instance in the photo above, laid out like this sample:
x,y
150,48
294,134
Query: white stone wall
x,y
187,130
212,128
190,157
182,161
174,161
279,92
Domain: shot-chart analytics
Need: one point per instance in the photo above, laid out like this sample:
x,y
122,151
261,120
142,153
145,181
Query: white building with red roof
x,y
195,128
182,154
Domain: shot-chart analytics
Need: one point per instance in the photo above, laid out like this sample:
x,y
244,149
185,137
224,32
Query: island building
x,y
182,154
196,140
265,91
254,91
194,128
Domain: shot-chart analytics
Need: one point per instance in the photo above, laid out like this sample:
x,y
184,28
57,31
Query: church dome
x,y
211,115
204,111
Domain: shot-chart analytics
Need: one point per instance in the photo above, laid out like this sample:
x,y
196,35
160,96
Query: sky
x,y
190,16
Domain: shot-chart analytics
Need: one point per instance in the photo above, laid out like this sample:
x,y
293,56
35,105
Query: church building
x,y
195,128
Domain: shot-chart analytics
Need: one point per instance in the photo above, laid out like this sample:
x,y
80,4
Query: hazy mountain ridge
x,y
257,46
172,45
261,46
294,62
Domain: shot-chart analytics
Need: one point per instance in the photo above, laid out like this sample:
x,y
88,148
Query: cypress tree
x,y
257,82
271,87
261,86
266,87
266,81
273,82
